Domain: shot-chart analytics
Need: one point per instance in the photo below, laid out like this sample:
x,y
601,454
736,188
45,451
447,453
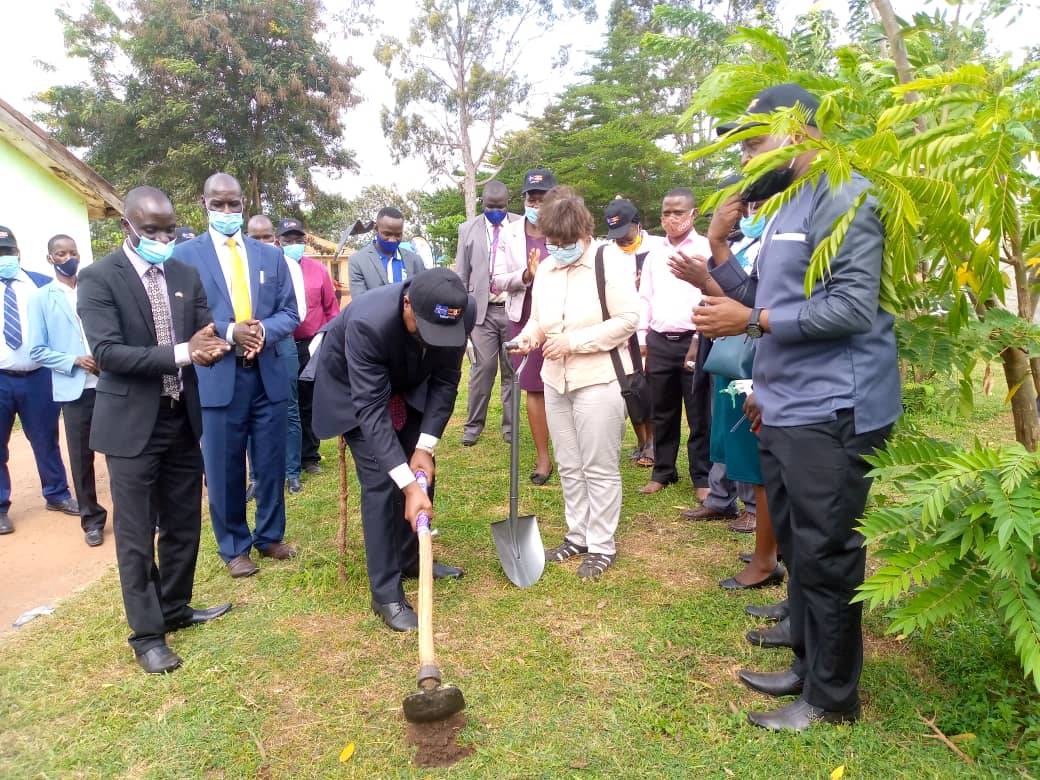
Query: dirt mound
x,y
437,743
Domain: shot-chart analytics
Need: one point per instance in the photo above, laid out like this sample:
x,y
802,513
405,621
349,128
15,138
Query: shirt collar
x,y
219,239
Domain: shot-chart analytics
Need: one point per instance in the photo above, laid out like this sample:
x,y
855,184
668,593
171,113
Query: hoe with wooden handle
x,y
433,701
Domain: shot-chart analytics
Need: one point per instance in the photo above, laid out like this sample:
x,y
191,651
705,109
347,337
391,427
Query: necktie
x,y
240,301
398,267
493,252
12,320
154,285
398,412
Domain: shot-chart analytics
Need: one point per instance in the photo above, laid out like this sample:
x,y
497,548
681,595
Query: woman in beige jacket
x,y
582,398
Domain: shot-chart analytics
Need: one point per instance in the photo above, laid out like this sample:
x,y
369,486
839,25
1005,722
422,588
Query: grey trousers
x,y
488,338
586,427
724,492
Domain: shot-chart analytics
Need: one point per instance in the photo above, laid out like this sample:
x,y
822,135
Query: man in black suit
x,y
146,320
386,378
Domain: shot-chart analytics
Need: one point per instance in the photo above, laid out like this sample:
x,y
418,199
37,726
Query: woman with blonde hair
x,y
583,401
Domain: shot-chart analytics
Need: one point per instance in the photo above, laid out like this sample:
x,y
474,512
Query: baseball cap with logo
x,y
183,233
620,215
538,180
7,238
772,98
290,226
439,300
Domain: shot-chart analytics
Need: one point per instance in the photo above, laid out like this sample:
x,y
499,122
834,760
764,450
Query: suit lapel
x,y
478,238
211,265
254,260
63,303
380,266
135,287
175,292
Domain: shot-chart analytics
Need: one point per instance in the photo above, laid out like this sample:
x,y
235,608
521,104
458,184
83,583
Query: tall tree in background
x,y
182,88
462,78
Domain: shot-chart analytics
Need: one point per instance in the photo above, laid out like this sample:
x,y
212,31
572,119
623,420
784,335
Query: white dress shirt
x,y
666,301
70,298
181,353
296,275
220,244
495,260
18,359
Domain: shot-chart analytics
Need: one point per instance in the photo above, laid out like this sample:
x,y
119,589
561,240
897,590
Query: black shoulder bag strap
x,y
633,342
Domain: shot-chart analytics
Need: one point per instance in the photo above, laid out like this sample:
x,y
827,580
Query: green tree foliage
x,y
182,88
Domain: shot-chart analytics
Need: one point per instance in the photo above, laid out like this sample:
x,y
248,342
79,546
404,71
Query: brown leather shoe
x,y
744,524
242,566
704,513
280,551
652,487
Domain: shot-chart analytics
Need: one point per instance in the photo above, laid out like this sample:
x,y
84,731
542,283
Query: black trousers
x,y
168,473
391,547
77,415
672,387
816,484
309,452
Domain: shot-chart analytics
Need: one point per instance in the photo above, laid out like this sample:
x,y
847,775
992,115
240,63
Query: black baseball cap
x,y
7,238
183,233
290,226
439,300
620,215
538,180
772,98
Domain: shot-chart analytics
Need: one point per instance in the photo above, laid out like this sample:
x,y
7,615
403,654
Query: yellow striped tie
x,y
240,301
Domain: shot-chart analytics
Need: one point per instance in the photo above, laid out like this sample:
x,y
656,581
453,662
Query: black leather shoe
x,y
250,491
798,716
294,485
398,615
777,636
312,468
6,526
68,506
775,577
785,683
159,660
441,571
199,616
468,442
95,537
772,612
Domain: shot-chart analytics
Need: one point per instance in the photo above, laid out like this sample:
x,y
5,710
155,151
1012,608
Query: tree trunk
x,y
897,45
1023,402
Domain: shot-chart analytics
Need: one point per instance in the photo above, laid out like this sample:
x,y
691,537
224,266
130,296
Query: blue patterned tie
x,y
12,320
398,267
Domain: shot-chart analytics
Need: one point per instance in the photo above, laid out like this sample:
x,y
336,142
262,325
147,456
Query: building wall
x,y
35,204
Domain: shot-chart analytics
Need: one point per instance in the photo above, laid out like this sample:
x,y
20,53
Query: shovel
x,y
516,538
433,701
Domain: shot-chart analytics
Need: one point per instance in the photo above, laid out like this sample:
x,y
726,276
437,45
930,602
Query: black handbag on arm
x,y
635,388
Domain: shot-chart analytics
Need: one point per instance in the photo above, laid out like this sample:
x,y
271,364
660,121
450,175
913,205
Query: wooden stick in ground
x,y
341,532
944,739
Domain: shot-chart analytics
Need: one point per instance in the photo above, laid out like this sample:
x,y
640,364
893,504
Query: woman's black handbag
x,y
731,357
635,388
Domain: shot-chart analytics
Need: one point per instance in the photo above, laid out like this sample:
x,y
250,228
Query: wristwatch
x,y
754,330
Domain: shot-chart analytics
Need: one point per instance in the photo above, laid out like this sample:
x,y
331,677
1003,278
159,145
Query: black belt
x,y
169,402
676,335
496,303
12,372
243,362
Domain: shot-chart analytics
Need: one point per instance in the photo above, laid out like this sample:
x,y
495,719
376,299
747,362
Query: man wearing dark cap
x,y
25,388
386,378
827,389
481,252
321,306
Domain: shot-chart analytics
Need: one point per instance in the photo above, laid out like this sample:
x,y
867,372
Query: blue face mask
x,y
225,224
155,252
753,227
68,268
9,266
495,216
532,214
294,251
566,255
387,248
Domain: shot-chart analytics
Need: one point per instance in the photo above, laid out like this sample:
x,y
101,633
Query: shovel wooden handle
x,y
429,673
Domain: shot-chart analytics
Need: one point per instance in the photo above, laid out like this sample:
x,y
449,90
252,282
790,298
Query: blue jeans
x,y
294,435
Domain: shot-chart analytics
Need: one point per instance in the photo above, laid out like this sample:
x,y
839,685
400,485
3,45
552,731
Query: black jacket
x,y
117,320
366,356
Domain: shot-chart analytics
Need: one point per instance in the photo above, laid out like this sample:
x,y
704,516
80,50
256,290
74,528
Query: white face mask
x,y
566,255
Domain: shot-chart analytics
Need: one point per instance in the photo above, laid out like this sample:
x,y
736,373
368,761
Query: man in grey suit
x,y
481,241
383,261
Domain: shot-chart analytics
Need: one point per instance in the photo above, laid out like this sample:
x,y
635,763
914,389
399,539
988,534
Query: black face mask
x,y
768,184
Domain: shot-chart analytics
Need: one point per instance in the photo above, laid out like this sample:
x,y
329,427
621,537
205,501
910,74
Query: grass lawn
x,y
630,677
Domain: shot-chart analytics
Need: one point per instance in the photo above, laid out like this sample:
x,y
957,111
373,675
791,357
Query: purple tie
x,y
494,252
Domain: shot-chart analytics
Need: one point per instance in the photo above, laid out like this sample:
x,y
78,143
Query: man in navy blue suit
x,y
245,394
25,387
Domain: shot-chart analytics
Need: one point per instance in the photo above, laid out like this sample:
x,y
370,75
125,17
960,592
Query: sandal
x,y
637,453
563,551
646,458
594,565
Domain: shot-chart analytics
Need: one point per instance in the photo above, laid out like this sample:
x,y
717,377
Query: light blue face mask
x,y
566,255
294,251
532,214
225,224
9,266
753,227
155,252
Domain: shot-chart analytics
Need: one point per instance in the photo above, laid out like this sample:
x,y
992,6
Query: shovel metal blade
x,y
438,704
520,549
